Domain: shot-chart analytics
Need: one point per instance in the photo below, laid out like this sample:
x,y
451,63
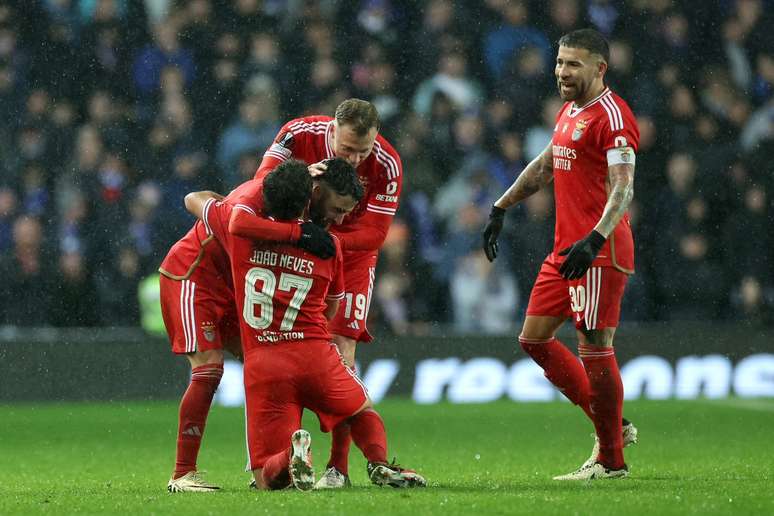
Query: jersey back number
x,y
262,300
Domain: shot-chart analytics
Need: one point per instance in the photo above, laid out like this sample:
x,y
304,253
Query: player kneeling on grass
x,y
285,297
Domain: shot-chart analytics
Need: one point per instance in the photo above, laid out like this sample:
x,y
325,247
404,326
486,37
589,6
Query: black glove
x,y
492,231
316,240
580,255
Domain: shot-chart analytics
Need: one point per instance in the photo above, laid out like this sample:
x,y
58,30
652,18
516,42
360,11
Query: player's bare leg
x,y
206,372
337,472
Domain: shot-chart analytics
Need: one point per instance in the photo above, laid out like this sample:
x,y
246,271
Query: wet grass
x,y
695,457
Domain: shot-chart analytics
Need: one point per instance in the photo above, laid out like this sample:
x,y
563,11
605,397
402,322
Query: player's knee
x,y
210,356
599,338
537,328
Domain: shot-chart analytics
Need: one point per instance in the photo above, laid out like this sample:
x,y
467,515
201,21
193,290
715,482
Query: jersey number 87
x,y
265,297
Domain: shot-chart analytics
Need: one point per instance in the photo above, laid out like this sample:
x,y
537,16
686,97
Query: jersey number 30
x,y
265,297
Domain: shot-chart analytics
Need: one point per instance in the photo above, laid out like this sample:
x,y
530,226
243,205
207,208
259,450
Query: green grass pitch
x,y
696,457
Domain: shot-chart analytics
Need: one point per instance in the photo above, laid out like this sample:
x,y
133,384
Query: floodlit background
x,y
112,110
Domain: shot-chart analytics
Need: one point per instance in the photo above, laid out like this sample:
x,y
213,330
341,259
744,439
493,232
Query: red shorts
x,y
593,301
350,320
282,380
196,318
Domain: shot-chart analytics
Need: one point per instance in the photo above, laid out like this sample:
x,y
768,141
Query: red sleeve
x,y
336,288
370,229
619,128
215,216
369,235
280,150
244,222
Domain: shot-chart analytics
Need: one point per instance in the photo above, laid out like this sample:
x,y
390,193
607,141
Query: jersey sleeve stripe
x,y
379,209
610,119
276,147
387,161
616,110
613,113
205,214
336,297
304,127
271,154
245,207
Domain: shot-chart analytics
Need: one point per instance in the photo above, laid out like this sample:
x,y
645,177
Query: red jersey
x,y
363,231
199,257
281,290
581,139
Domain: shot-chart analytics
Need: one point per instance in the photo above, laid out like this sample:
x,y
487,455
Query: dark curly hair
x,y
286,190
341,177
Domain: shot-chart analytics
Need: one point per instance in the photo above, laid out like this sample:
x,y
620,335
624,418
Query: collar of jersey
x,y
574,109
328,148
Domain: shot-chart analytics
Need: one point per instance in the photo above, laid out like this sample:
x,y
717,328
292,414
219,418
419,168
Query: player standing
x,y
285,296
352,134
591,163
197,303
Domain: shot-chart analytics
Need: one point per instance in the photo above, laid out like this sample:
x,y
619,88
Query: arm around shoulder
x,y
195,201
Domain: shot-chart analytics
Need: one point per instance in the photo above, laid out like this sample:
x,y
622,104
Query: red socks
x,y
341,438
369,435
606,401
194,408
276,470
562,368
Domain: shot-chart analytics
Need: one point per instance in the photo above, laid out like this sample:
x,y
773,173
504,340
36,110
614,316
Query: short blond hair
x,y
358,114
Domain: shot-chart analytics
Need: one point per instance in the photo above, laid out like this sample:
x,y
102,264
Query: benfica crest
x,y
580,126
208,329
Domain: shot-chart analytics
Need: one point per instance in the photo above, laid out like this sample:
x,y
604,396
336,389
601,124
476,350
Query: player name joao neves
x,y
290,262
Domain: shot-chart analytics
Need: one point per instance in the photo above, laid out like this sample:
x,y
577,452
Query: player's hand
x,y
580,255
492,231
316,240
317,169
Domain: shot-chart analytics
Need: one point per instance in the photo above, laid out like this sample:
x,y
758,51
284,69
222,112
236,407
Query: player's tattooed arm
x,y
621,181
536,175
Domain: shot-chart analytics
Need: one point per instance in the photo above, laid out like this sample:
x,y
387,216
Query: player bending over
x,y
285,297
351,134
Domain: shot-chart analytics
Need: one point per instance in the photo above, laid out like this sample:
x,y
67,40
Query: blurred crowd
x,y
112,110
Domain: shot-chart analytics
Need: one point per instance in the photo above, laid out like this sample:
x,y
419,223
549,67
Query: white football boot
x,y
393,475
595,471
629,437
587,468
333,479
191,482
301,471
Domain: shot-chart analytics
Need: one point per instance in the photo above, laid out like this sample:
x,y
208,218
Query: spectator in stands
x,y
453,81
114,108
27,274
255,127
513,35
